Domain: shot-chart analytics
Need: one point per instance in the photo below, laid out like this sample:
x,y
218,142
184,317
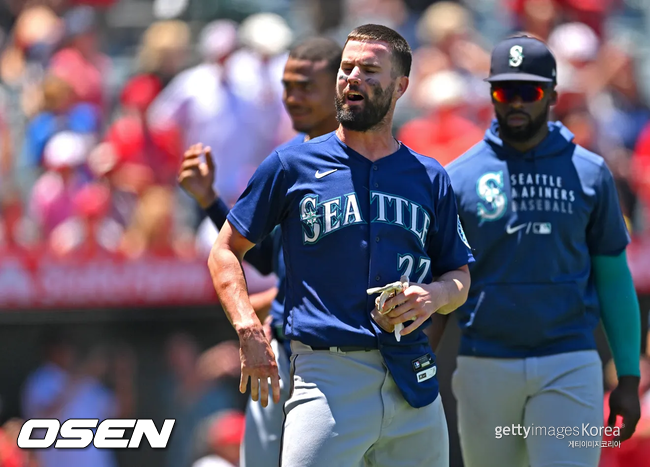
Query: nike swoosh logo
x,y
324,174
510,230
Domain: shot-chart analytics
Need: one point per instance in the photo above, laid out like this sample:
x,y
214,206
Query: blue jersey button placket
x,y
373,231
374,184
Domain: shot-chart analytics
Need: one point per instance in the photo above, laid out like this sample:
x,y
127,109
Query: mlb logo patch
x,y
422,362
542,228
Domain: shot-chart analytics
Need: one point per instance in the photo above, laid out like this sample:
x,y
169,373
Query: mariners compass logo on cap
x,y
522,58
516,55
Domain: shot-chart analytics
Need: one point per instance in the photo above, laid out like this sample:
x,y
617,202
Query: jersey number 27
x,y
406,263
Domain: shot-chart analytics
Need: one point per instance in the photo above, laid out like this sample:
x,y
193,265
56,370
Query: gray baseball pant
x,y
346,411
563,392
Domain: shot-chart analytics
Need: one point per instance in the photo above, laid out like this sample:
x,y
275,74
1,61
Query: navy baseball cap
x,y
522,58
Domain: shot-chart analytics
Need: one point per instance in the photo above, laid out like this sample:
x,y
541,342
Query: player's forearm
x,y
230,286
262,302
453,286
620,311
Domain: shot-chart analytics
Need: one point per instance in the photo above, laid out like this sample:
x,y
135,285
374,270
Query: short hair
x,y
402,56
317,49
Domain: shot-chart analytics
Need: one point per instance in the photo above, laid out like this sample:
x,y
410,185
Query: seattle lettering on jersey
x,y
540,192
322,218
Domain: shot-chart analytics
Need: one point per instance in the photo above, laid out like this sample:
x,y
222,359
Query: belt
x,y
344,349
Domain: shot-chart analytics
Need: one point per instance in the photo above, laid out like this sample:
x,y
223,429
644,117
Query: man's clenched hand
x,y
197,177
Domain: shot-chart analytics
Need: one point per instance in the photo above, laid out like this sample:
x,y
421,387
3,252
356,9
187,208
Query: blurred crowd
x,y
80,379
91,137
85,172
90,147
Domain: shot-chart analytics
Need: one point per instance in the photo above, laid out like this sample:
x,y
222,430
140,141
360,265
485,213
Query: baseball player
x,y
358,210
309,91
543,218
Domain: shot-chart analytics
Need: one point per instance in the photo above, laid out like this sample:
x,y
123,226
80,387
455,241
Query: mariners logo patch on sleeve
x,y
461,233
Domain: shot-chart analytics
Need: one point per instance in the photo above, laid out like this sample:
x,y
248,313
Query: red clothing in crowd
x,y
443,135
133,140
10,454
590,12
85,76
640,168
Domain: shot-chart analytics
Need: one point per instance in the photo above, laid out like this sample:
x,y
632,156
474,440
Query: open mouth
x,y
353,96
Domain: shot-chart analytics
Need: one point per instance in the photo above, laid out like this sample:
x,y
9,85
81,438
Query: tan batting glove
x,y
386,292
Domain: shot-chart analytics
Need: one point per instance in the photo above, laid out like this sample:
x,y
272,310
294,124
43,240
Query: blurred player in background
x,y
356,208
543,217
309,90
71,383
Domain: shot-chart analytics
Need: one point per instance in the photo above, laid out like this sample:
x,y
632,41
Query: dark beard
x,y
523,134
373,112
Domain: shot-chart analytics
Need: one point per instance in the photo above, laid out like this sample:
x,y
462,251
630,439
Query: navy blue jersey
x,y
534,220
349,224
